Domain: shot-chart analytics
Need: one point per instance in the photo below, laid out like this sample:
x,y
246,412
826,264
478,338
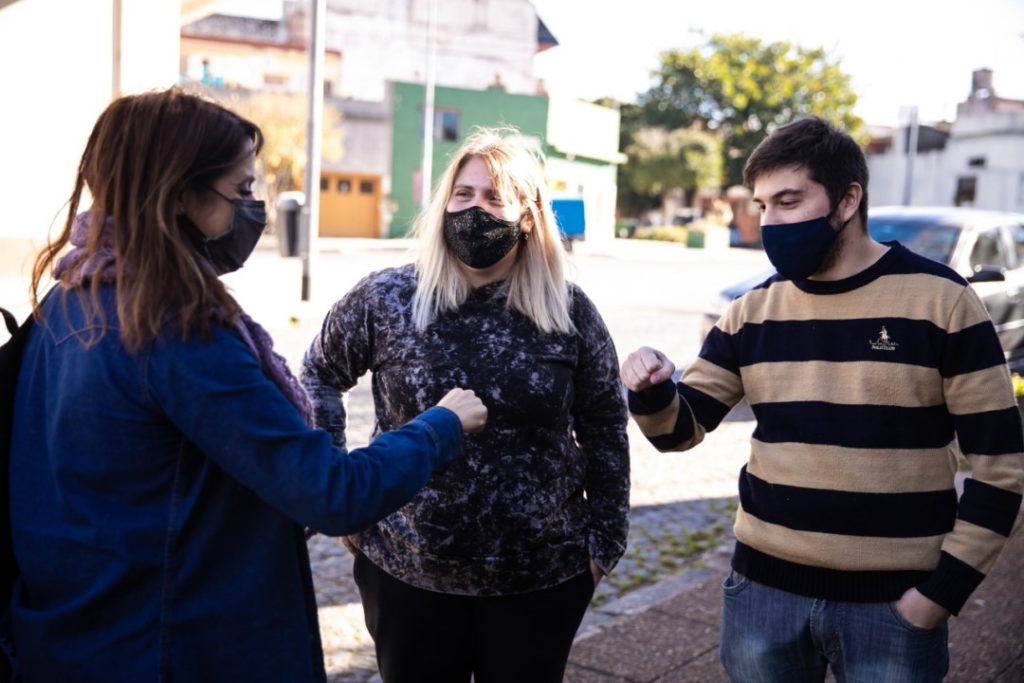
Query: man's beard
x,y
835,253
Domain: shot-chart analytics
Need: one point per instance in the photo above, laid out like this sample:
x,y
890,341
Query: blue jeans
x,y
773,635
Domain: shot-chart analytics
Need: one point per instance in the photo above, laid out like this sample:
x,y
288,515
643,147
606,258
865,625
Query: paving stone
x,y
704,669
700,602
579,674
646,646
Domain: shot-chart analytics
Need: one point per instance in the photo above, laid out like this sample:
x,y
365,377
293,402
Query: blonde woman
x,y
489,570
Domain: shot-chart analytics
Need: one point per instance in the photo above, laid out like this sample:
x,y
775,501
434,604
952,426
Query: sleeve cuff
x,y
445,430
605,557
653,400
951,583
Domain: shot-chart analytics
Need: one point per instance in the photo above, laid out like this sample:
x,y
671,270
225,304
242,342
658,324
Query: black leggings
x,y
427,637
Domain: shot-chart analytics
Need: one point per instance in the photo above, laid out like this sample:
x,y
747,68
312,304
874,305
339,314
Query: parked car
x,y
985,247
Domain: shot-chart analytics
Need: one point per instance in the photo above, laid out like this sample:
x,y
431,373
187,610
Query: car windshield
x,y
932,240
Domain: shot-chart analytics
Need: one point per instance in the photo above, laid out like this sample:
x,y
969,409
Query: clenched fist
x,y
471,410
644,368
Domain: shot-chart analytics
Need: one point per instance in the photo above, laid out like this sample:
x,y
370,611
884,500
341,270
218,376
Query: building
x,y
477,44
978,160
252,54
240,58
578,140
378,51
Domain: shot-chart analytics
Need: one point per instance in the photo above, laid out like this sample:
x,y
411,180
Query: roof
x,y
545,38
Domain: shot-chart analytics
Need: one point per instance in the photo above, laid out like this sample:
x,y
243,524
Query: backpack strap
x,y
10,321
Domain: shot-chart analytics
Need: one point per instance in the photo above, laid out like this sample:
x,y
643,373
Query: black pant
x,y
427,637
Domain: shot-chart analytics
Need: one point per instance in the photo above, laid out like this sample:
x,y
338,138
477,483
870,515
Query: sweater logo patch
x,y
884,342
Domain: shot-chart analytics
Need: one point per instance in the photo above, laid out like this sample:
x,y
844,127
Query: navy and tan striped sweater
x,y
861,389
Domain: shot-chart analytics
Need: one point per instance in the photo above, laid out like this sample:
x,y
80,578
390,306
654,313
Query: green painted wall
x,y
528,113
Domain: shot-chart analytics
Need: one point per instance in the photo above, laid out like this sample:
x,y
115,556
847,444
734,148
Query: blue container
x,y
570,218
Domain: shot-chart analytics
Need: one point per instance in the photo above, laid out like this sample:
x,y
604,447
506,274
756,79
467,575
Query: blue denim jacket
x,y
158,501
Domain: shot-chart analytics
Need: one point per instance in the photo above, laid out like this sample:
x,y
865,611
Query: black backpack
x,y
10,364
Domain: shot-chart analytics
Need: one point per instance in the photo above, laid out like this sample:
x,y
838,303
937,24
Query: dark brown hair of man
x,y
832,158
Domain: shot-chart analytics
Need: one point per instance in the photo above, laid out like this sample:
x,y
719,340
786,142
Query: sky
x,y
898,53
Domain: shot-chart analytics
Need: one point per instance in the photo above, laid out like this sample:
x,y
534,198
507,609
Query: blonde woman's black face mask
x,y
478,238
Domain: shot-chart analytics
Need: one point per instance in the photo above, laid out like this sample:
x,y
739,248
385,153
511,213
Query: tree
x,y
282,118
743,89
628,201
661,161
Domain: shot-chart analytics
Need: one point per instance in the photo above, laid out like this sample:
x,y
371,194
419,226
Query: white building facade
x,y
478,44
979,163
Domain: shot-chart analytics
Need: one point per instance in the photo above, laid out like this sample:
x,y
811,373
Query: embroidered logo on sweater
x,y
884,342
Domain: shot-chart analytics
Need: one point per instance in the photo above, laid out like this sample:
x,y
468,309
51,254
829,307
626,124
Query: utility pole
x,y
427,166
115,70
911,150
314,135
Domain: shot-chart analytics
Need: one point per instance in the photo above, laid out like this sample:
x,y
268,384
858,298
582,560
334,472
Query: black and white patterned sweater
x,y
543,488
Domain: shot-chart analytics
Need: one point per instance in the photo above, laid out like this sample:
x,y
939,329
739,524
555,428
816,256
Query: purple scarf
x,y
73,270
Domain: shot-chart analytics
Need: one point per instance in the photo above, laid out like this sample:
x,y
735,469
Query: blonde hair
x,y
537,286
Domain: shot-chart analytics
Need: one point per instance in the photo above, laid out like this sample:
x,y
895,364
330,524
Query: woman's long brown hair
x,y
143,153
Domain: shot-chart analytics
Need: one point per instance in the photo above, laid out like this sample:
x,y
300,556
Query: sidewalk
x,y
674,638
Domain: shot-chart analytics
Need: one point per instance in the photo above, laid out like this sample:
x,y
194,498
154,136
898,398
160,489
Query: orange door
x,y
349,205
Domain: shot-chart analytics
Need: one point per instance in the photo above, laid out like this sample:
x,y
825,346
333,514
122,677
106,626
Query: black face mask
x,y
229,250
478,238
798,250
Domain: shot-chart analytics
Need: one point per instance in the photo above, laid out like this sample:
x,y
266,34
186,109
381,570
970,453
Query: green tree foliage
x,y
628,202
743,88
661,161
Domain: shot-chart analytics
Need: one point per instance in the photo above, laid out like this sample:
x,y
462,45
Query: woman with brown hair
x,y
488,571
162,464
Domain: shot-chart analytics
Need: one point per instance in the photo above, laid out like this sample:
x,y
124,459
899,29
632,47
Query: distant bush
x,y
665,233
626,228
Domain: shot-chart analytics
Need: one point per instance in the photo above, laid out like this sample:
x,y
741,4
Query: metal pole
x,y
427,167
314,135
908,177
115,67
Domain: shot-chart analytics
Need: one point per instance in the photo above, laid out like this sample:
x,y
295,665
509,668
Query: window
x,y
365,187
934,240
976,162
446,125
344,186
1017,235
988,251
324,184
966,188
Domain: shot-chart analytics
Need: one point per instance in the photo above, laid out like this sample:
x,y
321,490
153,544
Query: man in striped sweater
x,y
864,365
